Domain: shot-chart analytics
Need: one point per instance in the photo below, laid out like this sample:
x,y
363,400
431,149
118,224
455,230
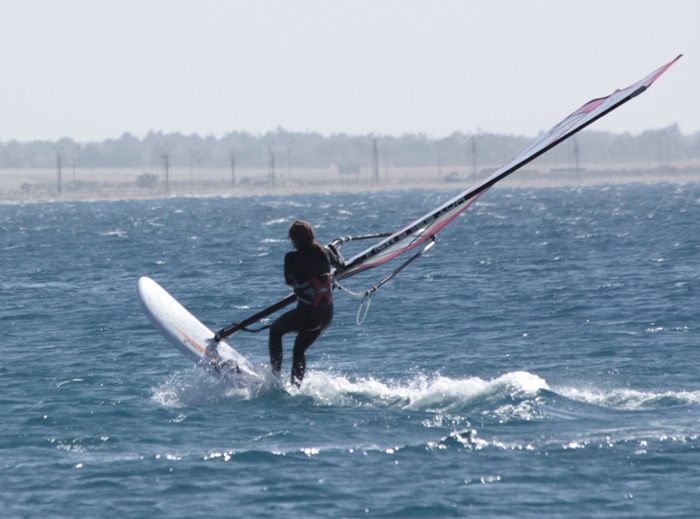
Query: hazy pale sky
x,y
92,70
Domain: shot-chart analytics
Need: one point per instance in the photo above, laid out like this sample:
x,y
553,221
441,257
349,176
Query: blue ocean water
x,y
541,360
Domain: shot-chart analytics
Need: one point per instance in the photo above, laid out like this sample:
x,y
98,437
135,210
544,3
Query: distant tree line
x,y
312,150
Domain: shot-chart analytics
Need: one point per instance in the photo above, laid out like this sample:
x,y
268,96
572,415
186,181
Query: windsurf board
x,y
184,331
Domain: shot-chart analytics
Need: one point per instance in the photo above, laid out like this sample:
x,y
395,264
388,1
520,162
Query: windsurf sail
x,y
425,228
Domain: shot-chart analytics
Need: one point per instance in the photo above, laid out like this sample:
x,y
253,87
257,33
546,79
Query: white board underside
x,y
189,335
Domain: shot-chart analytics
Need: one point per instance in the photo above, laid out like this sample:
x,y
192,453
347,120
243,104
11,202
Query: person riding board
x,y
308,270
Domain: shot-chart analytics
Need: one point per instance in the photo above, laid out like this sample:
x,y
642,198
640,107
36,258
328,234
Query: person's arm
x,y
335,258
288,278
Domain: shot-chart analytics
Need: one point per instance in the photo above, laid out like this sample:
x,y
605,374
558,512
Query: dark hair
x,y
302,235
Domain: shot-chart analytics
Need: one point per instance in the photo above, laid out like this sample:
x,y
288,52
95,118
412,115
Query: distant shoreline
x,y
212,184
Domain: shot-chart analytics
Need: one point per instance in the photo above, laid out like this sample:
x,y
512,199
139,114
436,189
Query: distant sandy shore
x,y
26,186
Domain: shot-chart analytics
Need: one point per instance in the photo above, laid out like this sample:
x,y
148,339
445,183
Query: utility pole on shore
x,y
166,166
474,157
192,148
386,159
375,162
233,171
271,158
58,168
289,158
74,150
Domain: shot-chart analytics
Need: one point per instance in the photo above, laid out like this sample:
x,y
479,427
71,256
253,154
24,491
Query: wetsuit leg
x,y
322,320
288,322
302,343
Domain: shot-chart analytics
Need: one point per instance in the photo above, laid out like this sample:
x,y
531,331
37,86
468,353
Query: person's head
x,y
302,235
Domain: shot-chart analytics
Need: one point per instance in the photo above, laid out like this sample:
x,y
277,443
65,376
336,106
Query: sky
x,y
92,70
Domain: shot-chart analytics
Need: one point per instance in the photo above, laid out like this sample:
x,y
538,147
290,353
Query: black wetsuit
x,y
308,271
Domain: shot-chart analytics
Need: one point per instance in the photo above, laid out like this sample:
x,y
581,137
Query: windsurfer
x,y
308,270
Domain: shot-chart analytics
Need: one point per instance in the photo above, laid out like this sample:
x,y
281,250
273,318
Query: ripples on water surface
x,y
540,360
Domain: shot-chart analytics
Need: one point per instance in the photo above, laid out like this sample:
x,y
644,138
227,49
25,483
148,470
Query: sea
x,y
542,360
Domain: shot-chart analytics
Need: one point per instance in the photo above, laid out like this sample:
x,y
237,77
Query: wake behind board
x,y
191,337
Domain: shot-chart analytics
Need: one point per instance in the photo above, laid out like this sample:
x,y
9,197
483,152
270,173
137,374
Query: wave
x,y
324,388
514,396
423,393
631,399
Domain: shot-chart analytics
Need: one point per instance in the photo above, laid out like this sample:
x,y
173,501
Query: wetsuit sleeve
x,y
335,258
288,268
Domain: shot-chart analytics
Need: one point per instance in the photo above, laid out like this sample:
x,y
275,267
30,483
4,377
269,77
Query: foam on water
x,y
326,388
195,386
631,399
425,393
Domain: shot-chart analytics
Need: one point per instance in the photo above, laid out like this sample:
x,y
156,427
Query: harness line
x,y
367,294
